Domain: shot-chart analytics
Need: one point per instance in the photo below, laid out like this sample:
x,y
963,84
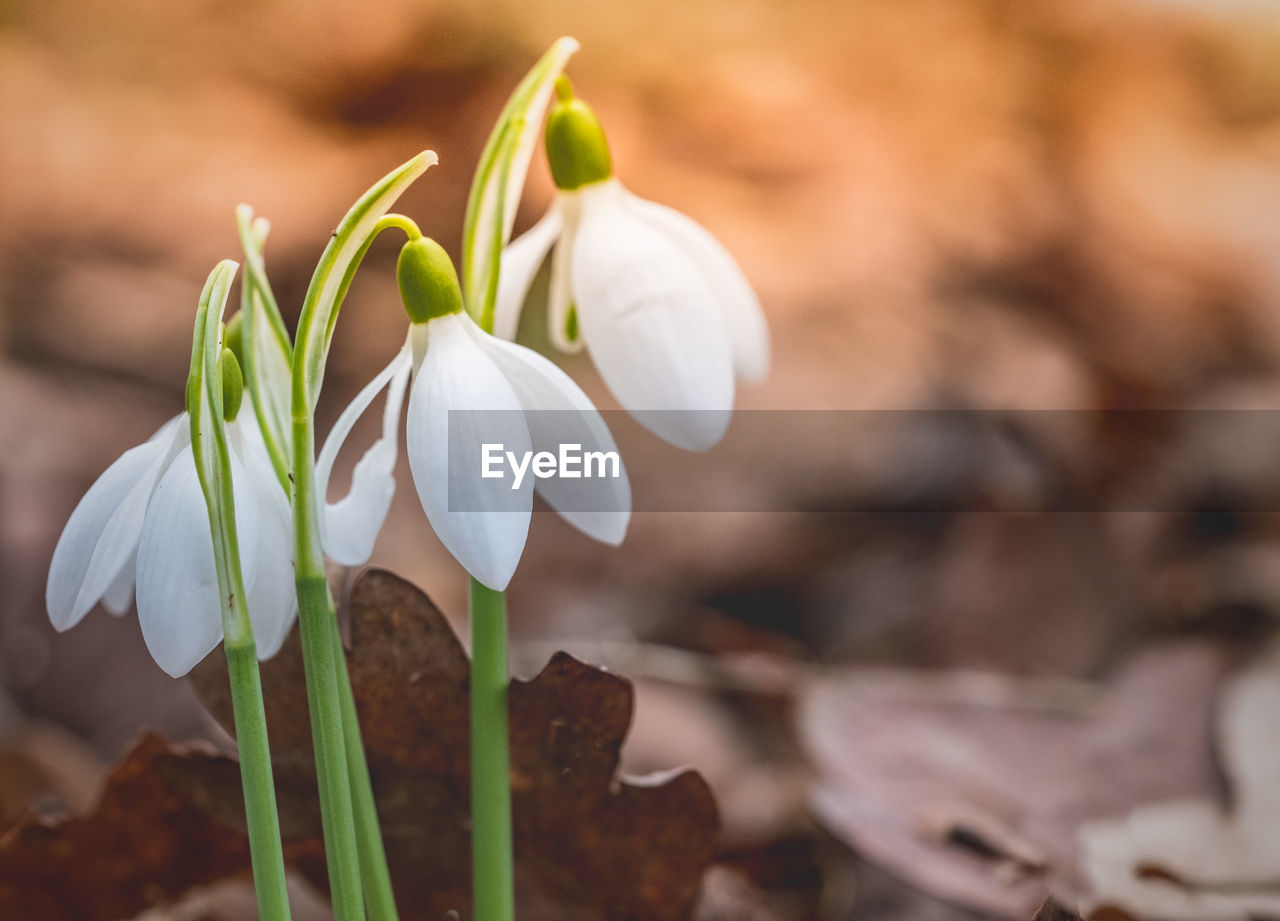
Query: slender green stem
x,y
353,830
211,453
353,841
493,881
379,898
321,646
265,851
387,221
319,636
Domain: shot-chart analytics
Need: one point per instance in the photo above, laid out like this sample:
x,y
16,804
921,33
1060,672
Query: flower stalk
x,y
316,622
214,391
265,851
492,871
491,209
345,789
375,874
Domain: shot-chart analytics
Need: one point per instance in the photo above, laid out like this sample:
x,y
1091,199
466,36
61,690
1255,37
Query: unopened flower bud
x,y
233,336
232,384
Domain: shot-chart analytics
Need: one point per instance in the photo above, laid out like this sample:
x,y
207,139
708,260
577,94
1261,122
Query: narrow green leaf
x,y
499,179
268,353
333,276
211,451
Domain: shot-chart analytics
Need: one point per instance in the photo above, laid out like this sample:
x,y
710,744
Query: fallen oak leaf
x,y
143,845
1192,859
588,845
978,801
1050,910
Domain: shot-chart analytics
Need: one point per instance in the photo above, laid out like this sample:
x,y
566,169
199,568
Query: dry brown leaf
x,y
1192,859
1050,910
143,845
587,844
978,800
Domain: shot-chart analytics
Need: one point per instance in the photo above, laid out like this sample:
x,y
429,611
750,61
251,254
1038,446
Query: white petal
x,y
250,428
118,597
488,533
178,598
740,308
560,291
558,413
349,527
651,322
102,534
520,263
268,568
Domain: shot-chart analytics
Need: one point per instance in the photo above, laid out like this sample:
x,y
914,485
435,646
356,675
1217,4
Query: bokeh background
x,y
956,204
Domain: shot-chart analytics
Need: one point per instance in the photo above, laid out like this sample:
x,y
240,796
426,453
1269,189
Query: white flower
x,y
145,523
519,400
666,314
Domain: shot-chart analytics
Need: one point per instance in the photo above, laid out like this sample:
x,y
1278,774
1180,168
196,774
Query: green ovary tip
x,y
429,285
576,146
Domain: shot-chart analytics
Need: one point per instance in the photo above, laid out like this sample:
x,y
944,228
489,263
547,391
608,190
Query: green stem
x,y
320,640
493,882
206,389
265,852
319,637
379,898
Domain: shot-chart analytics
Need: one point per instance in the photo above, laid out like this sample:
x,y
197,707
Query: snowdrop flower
x,y
145,524
509,395
664,311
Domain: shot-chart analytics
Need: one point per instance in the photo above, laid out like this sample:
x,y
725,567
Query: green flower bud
x,y
232,384
192,394
428,281
576,145
233,336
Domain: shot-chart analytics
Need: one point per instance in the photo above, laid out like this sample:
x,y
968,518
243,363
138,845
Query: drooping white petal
x,y
178,597
267,566
481,521
520,263
118,597
651,322
249,426
739,307
350,526
102,534
560,289
558,414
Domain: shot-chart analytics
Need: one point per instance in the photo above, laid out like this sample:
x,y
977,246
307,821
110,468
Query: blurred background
x,y
998,205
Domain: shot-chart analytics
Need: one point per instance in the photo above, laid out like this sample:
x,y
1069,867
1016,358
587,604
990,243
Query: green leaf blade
x,y
499,178
268,352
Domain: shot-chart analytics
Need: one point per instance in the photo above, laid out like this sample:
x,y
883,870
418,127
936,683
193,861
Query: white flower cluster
x,y
665,313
